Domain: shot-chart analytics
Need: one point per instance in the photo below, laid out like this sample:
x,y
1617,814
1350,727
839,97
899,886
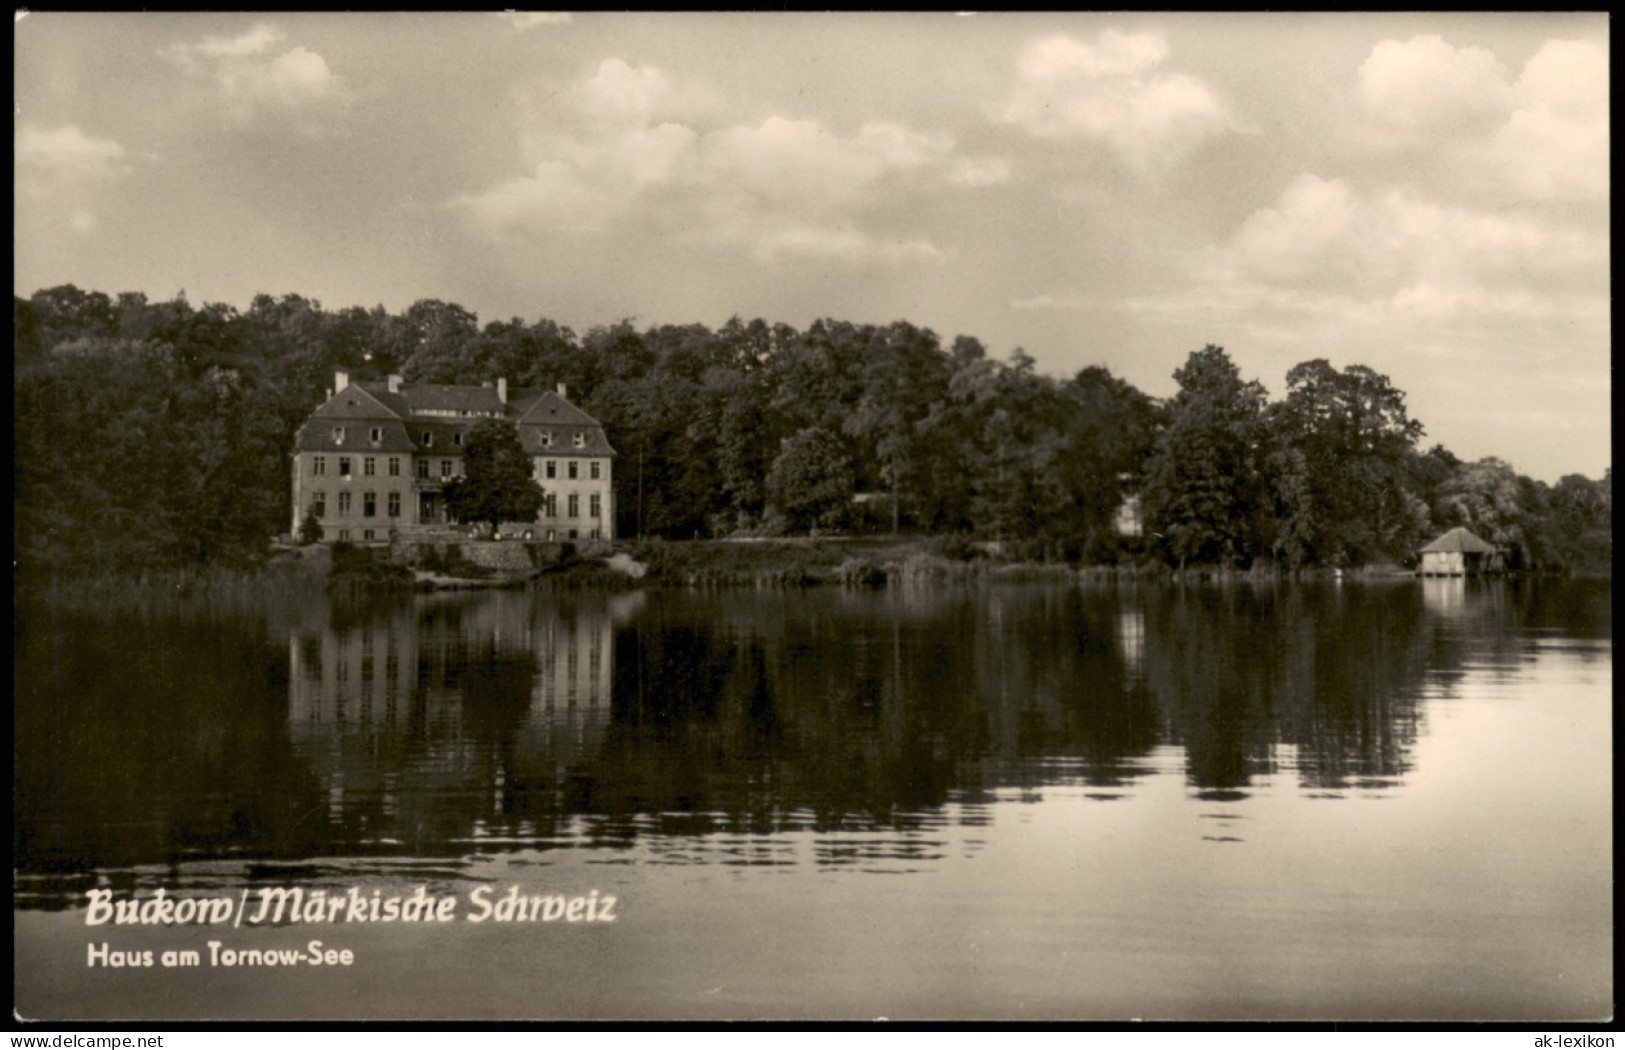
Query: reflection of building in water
x,y
1445,595
434,714
1131,637
570,694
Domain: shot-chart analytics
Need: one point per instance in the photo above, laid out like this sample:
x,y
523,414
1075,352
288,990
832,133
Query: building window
x,y
394,466
338,435
547,439
575,505
369,466
366,535
573,469
552,534
344,504
318,465
344,537
376,435
394,504
580,439
552,468
574,533
552,505
593,469
426,439
369,505
344,466
457,439
595,508
318,504
595,652
445,468
423,468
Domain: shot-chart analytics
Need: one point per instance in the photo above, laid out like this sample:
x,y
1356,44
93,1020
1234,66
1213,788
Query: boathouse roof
x,y
1458,540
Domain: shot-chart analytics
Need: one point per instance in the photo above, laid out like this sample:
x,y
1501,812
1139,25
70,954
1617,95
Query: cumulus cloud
x,y
628,144
527,20
67,153
1555,143
980,171
252,73
801,163
1327,249
556,198
837,244
1062,303
1115,91
1543,135
61,171
1424,85
1324,234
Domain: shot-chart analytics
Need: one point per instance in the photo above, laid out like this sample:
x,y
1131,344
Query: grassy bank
x,y
283,582
865,562
304,574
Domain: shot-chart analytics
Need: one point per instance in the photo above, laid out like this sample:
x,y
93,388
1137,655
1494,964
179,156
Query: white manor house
x,y
370,462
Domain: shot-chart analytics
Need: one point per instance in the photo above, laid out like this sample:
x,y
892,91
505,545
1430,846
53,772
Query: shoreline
x,y
864,563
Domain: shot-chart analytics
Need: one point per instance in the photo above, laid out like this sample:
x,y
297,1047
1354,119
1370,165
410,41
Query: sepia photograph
x,y
812,517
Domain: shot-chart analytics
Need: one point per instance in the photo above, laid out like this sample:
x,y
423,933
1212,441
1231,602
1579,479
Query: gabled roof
x,y
394,402
360,406
354,402
317,436
594,443
1458,540
545,408
445,434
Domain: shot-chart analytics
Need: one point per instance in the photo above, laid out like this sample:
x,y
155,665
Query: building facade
x,y
1459,552
371,461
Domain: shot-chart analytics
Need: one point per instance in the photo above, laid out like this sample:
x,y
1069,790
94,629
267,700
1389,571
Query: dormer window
x,y
376,435
581,439
547,439
427,439
457,439
338,435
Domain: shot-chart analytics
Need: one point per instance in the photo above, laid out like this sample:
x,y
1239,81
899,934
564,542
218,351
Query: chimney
x,y
502,389
562,391
341,379
394,384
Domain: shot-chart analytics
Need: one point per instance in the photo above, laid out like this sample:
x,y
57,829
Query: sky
x,y
1426,194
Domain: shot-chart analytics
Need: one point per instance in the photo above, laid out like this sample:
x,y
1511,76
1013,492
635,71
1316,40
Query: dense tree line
x,y
157,435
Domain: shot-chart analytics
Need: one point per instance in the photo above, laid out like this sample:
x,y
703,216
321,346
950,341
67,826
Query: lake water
x,y
1104,801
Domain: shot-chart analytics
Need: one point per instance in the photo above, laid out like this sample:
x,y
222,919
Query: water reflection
x,y
707,723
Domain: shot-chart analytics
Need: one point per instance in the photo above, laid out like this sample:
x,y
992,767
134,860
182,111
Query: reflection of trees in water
x,y
450,723
1326,674
481,703
150,741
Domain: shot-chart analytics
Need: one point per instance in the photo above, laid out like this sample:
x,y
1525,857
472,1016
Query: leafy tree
x,y
1579,526
904,372
1342,442
1487,497
1204,489
496,485
1111,430
310,528
810,483
432,340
